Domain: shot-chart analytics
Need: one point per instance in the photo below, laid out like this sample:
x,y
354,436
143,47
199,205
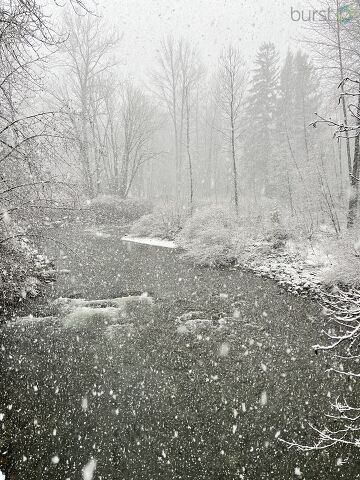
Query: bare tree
x,y
231,90
28,131
330,43
175,82
166,80
337,45
88,52
138,126
190,75
350,89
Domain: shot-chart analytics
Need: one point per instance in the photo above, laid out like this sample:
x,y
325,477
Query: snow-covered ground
x,y
154,242
293,276
303,273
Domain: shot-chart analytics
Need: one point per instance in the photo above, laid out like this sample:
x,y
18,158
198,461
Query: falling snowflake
x,y
224,349
84,403
89,469
264,398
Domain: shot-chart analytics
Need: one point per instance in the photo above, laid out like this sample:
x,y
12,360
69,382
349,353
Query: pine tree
x,y
307,99
284,132
260,118
296,168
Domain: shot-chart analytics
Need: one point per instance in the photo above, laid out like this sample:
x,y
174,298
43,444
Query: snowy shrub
x,y
110,209
208,236
274,229
24,272
344,259
164,223
261,236
277,233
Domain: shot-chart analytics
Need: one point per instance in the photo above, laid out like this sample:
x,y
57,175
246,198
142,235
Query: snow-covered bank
x,y
270,244
300,276
153,242
311,267
295,277
297,268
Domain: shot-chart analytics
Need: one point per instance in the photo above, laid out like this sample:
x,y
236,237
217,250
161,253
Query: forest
x,y
272,139
242,164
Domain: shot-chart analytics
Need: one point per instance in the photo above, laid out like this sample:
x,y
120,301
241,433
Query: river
x,y
156,400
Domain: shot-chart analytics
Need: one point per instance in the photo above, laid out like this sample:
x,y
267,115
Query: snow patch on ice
x,y
115,332
153,242
80,313
97,232
31,320
191,326
191,322
82,316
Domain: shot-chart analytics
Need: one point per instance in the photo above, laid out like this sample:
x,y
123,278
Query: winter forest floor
x,y
200,384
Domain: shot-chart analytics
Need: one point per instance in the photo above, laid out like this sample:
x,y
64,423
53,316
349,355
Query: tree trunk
x,y
84,143
354,177
234,166
116,181
342,76
290,192
123,185
189,155
176,134
89,188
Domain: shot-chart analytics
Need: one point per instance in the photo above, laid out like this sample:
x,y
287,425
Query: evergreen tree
x,y
285,111
260,118
307,99
296,170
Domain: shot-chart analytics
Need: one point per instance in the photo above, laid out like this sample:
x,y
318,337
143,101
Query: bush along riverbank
x,y
26,275
305,262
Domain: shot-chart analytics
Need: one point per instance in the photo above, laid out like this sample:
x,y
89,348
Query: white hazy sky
x,y
210,24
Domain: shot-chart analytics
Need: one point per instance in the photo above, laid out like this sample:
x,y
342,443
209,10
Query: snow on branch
x,y
346,87
343,309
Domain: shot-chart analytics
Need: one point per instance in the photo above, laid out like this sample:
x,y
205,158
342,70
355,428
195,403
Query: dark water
x,y
148,402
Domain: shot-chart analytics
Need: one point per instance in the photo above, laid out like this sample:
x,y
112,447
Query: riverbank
x,y
303,261
301,276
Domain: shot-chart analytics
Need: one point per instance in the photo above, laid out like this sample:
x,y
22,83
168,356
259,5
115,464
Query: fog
x,y
179,240
211,25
